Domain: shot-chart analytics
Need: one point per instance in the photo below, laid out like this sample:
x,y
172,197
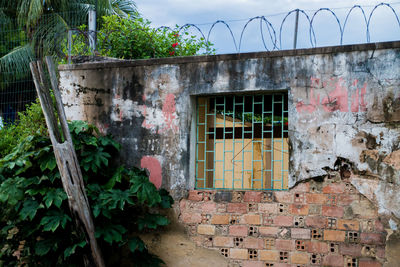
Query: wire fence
x,y
16,91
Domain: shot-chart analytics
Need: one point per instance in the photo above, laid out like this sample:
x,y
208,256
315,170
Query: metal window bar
x,y
242,142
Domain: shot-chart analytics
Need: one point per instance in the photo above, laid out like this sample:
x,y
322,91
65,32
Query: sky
x,y
236,13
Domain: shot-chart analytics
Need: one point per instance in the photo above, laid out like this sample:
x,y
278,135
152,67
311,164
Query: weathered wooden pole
x,y
64,152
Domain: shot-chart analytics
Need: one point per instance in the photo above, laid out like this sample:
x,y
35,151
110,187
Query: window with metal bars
x,y
242,142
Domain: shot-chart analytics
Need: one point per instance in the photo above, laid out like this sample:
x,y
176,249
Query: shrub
x,y
36,227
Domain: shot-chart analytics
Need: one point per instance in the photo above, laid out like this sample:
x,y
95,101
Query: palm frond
x,y
15,64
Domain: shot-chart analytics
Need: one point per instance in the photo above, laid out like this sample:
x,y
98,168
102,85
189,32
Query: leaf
x,y
71,250
136,243
55,196
11,190
78,126
117,177
145,191
29,209
166,199
152,221
43,247
53,220
111,232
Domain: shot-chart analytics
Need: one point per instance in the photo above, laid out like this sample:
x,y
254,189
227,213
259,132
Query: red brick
x,y
317,247
223,241
380,252
252,196
346,199
369,263
238,253
350,225
332,211
379,226
237,207
372,238
353,250
299,258
268,231
283,197
268,255
316,221
238,230
195,195
286,245
299,209
253,242
334,235
188,217
269,208
301,188
333,260
316,198
254,219
209,207
282,220
281,264
336,188
182,204
253,264
220,219
300,233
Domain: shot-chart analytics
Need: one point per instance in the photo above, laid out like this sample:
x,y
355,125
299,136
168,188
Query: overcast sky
x,y
383,25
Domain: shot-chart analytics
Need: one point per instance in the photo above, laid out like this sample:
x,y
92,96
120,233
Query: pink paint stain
x,y
169,113
337,99
154,167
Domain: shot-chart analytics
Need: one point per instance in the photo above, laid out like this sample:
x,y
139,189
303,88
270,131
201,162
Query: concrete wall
x,y
344,112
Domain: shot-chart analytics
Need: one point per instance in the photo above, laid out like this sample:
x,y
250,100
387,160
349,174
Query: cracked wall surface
x,y
344,111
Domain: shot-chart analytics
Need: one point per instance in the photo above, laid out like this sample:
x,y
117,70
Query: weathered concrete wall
x,y
344,113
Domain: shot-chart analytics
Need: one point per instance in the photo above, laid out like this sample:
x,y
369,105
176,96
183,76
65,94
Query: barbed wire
x,y
267,29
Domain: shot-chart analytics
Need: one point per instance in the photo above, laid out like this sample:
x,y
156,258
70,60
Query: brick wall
x,y
315,224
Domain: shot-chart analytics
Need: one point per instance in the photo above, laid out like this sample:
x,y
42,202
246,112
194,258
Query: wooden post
x,y
67,161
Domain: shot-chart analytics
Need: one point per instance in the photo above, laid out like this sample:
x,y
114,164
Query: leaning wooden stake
x,y
64,152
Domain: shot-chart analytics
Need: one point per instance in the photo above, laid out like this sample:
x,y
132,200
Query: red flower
x,y
171,53
176,35
174,45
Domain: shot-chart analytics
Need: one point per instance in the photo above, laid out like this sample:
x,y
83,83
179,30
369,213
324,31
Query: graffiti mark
x,y
154,167
337,97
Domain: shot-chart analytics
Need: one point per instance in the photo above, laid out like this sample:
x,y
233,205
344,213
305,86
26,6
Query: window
x,y
242,142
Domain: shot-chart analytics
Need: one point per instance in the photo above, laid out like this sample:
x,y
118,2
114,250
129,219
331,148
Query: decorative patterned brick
x,y
253,242
285,245
223,241
332,211
316,198
372,238
220,219
237,207
334,235
334,188
316,221
268,255
253,219
348,225
269,208
300,233
268,230
239,253
282,220
205,229
333,260
299,258
238,230
299,209
252,196
195,195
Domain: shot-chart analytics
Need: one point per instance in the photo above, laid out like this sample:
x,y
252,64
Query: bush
x,y
128,38
36,227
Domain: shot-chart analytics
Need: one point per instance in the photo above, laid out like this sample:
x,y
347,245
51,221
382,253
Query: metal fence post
x,y
92,30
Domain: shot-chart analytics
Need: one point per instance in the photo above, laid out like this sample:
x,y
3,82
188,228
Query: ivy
x,y
35,220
